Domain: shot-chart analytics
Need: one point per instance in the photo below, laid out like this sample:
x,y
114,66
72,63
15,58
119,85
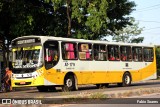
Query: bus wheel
x,y
69,83
42,88
126,81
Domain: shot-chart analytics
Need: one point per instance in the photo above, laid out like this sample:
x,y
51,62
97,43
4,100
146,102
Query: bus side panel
x,y
115,71
149,72
136,70
99,71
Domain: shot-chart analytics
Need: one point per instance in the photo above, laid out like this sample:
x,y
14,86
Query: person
x,y
124,58
111,58
135,58
7,79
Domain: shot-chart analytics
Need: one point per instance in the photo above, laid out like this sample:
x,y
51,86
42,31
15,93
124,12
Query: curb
x,y
112,94
115,94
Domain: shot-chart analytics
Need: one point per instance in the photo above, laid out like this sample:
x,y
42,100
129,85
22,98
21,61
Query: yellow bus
x,y
47,62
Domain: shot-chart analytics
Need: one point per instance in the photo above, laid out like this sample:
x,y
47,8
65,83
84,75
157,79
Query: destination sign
x,y
26,41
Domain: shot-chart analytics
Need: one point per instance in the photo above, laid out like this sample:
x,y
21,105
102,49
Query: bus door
x,y
137,63
51,58
148,63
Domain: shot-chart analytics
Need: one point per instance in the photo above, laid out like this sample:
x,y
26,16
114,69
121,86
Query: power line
x,y
148,21
146,10
152,28
149,7
144,32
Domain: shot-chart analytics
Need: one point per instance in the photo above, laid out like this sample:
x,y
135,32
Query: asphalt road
x,y
121,102
33,93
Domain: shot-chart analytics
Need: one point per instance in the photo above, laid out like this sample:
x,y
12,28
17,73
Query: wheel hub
x,y
127,79
69,82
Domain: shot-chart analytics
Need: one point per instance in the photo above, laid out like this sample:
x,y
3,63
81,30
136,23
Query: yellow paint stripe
x,y
32,48
15,49
27,48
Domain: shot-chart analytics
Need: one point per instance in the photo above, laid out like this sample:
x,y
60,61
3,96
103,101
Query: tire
x,y
69,83
126,80
42,88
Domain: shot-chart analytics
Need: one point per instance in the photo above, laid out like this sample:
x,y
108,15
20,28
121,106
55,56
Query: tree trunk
x,y
69,18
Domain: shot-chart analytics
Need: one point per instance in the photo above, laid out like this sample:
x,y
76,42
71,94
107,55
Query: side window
x,y
51,53
99,52
148,54
113,52
126,53
137,53
85,51
69,51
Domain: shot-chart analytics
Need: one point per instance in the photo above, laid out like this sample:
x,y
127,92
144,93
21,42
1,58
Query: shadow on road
x,y
93,87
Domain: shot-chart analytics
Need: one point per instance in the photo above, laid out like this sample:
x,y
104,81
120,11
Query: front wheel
x,y
69,83
126,80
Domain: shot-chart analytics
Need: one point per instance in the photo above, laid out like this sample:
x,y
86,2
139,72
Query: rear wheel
x,y
69,83
126,80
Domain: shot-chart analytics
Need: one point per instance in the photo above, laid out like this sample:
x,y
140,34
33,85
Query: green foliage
x,y
94,19
97,17
137,40
128,34
158,60
98,95
88,19
1,4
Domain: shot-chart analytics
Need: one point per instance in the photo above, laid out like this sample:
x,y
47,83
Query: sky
x,y
147,13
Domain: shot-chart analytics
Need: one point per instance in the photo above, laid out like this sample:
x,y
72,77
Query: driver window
x,y
51,54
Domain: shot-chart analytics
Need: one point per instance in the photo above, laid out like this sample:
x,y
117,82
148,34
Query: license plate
x,y
22,82
27,75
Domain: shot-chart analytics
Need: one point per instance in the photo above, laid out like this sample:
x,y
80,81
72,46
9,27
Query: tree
x,y
128,34
19,17
158,60
88,19
94,19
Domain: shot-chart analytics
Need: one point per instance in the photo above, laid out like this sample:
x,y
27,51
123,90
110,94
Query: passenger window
x,y
137,53
69,51
126,53
100,53
85,51
148,54
51,53
113,53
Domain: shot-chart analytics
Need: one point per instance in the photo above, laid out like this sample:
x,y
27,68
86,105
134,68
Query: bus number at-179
x,y
69,64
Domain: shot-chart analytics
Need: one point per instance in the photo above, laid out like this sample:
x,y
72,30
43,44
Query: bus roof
x,y
44,38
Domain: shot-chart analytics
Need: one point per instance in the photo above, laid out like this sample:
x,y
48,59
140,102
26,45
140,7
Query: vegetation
x,y
128,34
158,60
88,19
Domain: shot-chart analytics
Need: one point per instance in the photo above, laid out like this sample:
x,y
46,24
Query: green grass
x,y
98,95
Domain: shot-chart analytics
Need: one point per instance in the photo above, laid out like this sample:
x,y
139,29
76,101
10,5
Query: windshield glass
x,y
27,57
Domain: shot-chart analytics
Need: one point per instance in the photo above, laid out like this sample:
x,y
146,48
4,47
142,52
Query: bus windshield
x,y
27,57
